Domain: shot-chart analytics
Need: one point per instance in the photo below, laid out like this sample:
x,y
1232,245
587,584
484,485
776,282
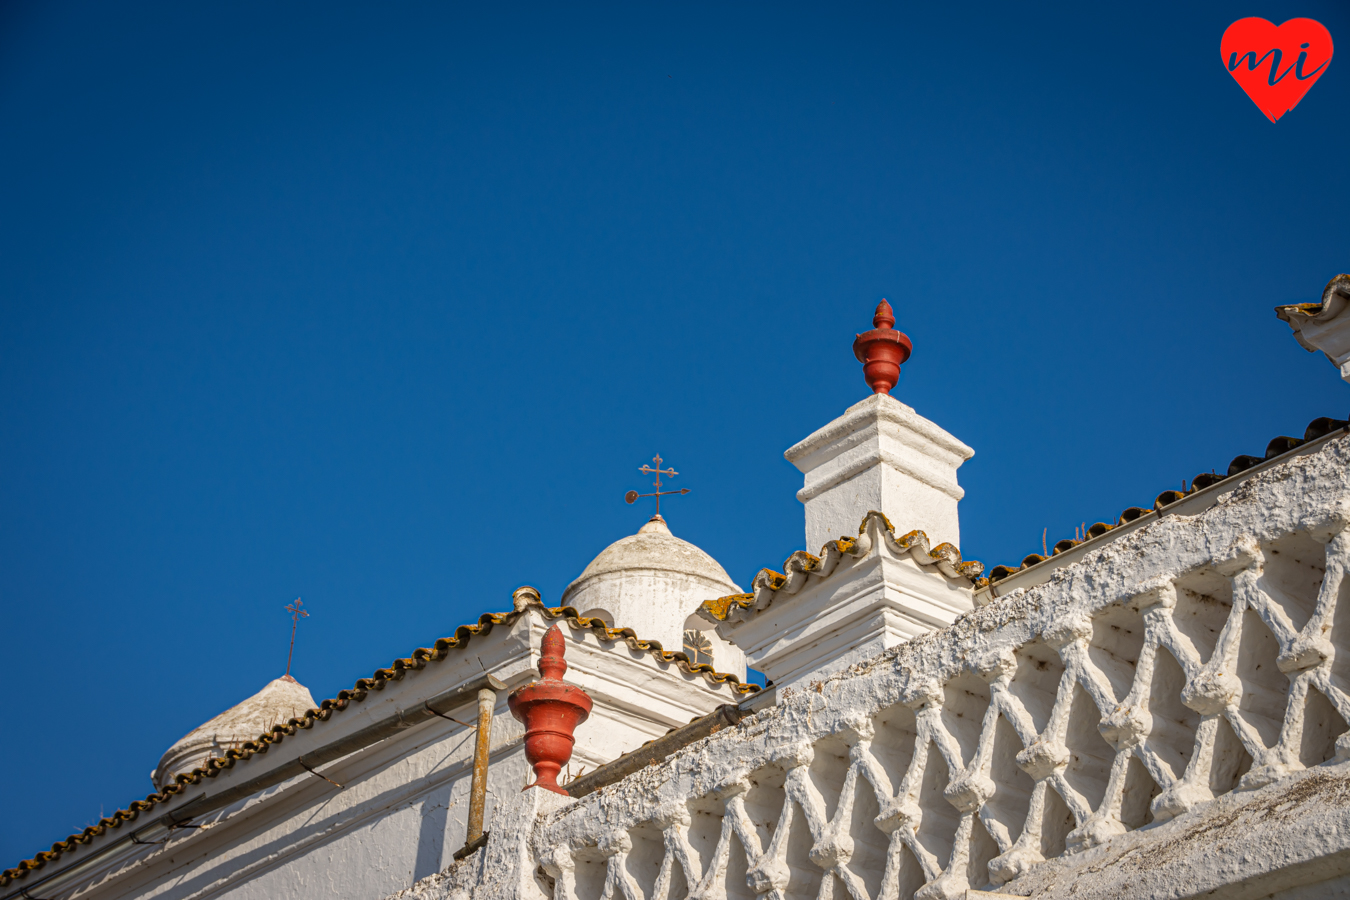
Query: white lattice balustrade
x,y
1194,658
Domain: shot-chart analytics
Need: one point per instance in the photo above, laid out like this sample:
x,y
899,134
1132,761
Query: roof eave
x,y
1190,505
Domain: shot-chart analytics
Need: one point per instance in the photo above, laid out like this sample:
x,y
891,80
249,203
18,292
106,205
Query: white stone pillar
x,y
880,455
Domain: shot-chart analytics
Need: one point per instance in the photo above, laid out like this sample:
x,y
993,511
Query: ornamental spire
x,y
882,350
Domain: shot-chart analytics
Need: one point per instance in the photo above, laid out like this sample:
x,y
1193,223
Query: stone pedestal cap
x,y
880,454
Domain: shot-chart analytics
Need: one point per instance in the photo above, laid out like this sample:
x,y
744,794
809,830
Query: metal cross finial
x,y
297,613
658,493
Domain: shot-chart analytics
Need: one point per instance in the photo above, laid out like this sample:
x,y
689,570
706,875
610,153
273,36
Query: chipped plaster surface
x,y
1172,694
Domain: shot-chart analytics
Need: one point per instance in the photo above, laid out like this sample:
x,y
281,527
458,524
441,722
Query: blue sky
x,y
383,308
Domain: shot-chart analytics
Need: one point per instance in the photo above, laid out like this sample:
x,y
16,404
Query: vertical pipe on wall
x,y
487,702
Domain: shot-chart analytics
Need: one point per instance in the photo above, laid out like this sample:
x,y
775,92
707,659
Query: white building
x,y
1158,710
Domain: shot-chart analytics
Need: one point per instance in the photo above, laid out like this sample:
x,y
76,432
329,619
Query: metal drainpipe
x,y
487,702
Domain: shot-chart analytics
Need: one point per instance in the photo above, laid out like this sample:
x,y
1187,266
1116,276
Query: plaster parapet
x,y
1166,685
1245,845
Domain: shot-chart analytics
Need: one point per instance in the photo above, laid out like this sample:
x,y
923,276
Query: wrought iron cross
x,y
631,496
297,613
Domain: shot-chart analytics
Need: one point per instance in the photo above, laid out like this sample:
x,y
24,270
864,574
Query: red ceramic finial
x,y
551,710
882,350
552,650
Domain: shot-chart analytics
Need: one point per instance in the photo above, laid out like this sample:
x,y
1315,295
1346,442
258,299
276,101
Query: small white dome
x,y
283,698
654,548
653,582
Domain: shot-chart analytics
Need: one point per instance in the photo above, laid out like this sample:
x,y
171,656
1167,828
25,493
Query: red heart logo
x,y
1276,65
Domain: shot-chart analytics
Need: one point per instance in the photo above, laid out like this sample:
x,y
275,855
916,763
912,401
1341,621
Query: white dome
x,y
654,548
283,698
652,582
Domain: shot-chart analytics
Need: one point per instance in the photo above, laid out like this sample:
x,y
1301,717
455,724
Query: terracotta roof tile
x,y
801,566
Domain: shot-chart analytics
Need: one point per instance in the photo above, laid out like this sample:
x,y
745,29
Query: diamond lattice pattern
x,y
1223,679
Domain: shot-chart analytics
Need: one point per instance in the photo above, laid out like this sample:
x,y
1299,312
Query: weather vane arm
x,y
632,496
